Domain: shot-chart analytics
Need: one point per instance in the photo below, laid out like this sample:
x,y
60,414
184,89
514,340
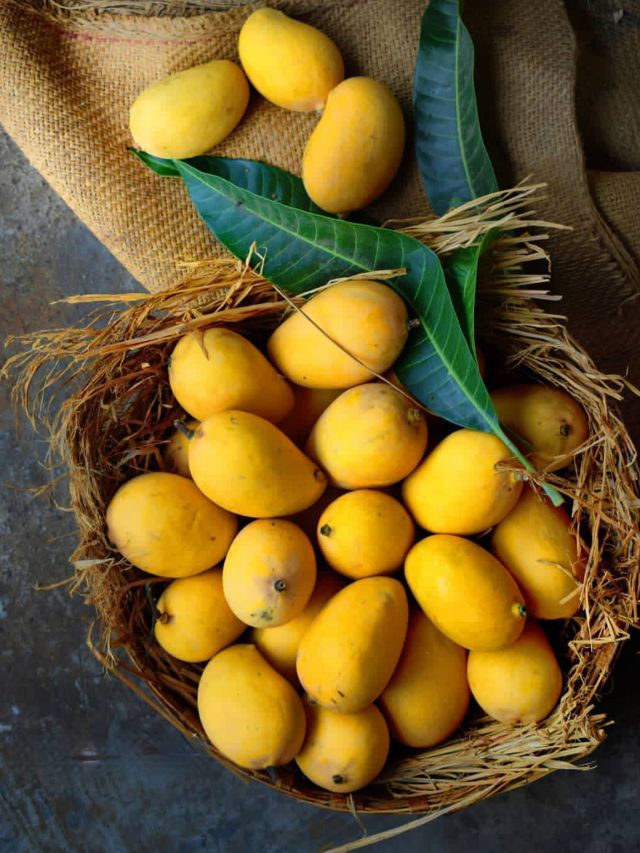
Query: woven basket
x,y
120,411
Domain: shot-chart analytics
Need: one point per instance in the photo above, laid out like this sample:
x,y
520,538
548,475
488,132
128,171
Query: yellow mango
x,y
370,436
218,369
458,487
343,752
364,320
428,695
552,424
536,544
290,63
194,621
466,592
518,684
187,113
279,646
356,147
269,572
176,453
349,653
251,467
365,533
309,404
249,712
164,525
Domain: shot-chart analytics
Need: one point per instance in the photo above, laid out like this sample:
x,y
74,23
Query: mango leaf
x,y
452,157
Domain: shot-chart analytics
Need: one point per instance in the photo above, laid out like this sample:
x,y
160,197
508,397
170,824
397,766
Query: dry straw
x,y
115,410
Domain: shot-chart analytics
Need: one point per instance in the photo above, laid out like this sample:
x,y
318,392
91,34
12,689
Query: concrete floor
x,y
84,765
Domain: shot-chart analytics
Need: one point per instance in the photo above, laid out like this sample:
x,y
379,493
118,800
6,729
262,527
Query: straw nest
x,y
113,410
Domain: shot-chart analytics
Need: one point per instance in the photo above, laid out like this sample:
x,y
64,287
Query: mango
x,y
517,684
279,646
458,487
189,112
536,544
290,63
309,404
428,695
356,147
218,369
252,715
164,525
194,621
371,436
349,653
366,323
552,424
343,752
365,533
466,592
251,467
176,453
269,572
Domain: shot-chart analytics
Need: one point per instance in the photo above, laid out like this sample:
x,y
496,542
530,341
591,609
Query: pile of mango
x,y
351,156
344,581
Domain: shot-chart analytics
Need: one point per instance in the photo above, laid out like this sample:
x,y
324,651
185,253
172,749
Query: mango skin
x,y
548,419
518,684
309,404
366,318
467,594
371,436
279,646
164,525
269,572
176,453
365,533
290,63
194,620
218,369
343,752
534,542
189,112
250,714
457,488
251,467
428,695
349,653
354,152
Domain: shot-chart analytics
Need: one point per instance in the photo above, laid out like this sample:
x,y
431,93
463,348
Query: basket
x,y
118,410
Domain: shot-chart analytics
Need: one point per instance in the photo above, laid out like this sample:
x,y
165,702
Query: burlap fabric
x,y
67,79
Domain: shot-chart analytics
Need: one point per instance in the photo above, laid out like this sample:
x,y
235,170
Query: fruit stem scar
x,y
163,617
326,530
280,585
184,430
319,475
414,415
519,610
337,779
565,430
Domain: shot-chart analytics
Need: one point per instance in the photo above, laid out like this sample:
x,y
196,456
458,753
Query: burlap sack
x,y
68,77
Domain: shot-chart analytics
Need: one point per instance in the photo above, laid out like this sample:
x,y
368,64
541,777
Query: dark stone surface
x,y
84,764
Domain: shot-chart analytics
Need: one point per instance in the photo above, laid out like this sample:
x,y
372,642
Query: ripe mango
x,y
466,592
194,621
176,453
365,533
458,489
218,369
251,467
290,63
428,695
517,684
549,420
269,572
371,436
343,752
250,714
187,113
356,147
349,653
309,404
279,646
164,525
536,544
364,320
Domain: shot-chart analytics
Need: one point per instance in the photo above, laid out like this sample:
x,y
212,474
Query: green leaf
x,y
452,157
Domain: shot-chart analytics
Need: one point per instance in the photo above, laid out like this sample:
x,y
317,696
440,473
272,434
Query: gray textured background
x,y
84,765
